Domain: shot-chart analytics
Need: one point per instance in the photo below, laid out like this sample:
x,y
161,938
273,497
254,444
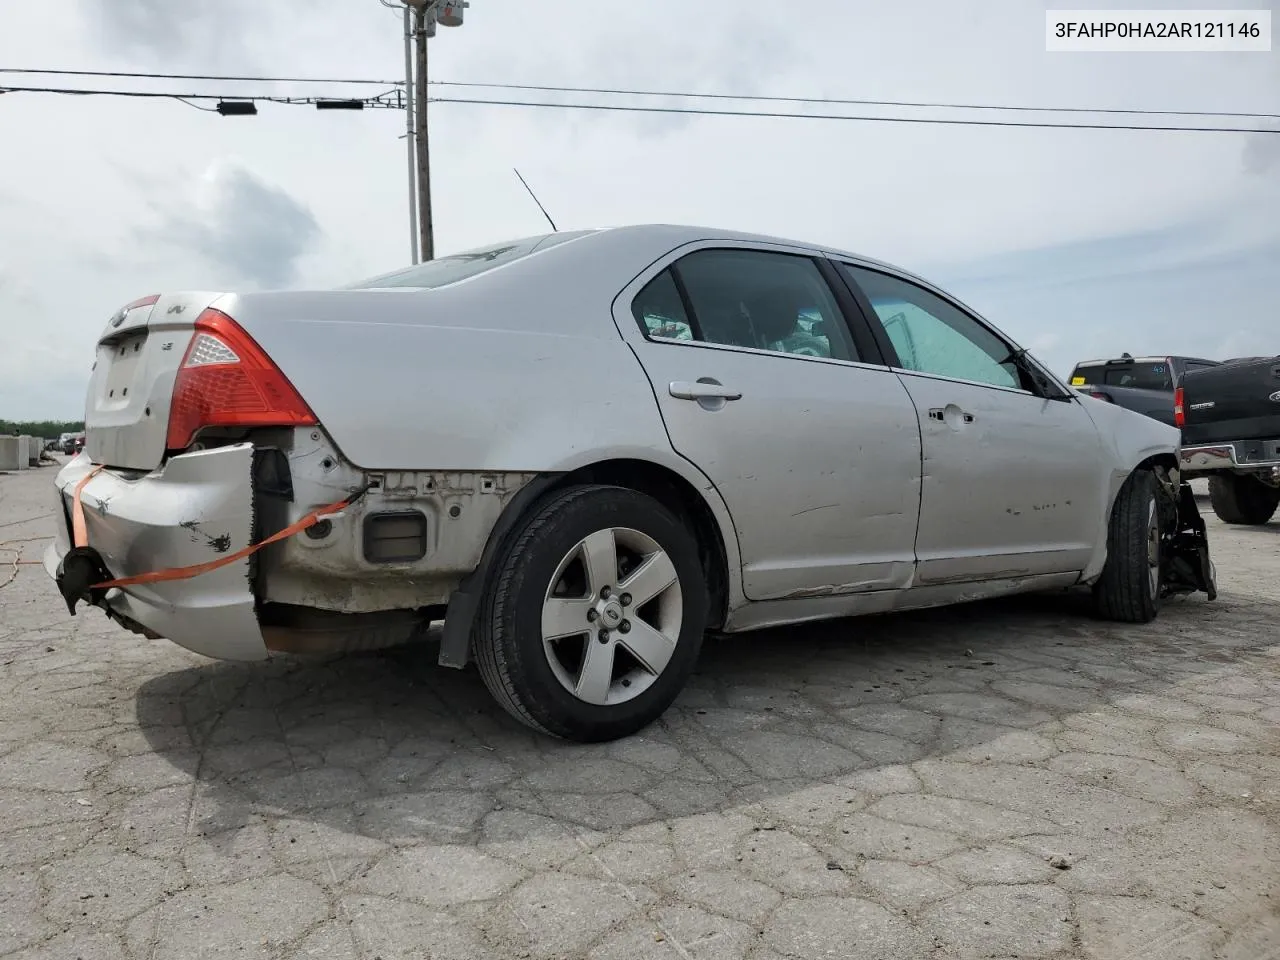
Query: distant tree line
x,y
48,429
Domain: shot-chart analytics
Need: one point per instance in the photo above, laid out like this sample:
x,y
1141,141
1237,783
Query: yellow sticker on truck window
x,y
1077,381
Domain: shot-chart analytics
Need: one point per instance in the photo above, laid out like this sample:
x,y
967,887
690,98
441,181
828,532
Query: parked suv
x,y
1143,384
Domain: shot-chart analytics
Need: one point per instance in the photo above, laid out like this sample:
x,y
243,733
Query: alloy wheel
x,y
611,617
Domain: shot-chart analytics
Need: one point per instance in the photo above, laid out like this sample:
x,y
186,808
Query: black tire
x,y
508,643
1125,591
1243,500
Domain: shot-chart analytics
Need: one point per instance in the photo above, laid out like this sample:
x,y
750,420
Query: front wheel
x,y
593,619
1129,588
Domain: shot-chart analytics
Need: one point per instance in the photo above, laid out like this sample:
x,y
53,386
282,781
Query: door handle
x,y
683,390
940,414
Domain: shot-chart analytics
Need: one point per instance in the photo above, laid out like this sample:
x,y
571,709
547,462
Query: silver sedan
x,y
581,451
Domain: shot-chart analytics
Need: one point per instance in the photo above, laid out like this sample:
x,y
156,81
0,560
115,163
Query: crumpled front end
x,y
1187,566
196,508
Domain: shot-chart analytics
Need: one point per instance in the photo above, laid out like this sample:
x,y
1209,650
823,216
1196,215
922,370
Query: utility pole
x,y
425,15
424,21
410,131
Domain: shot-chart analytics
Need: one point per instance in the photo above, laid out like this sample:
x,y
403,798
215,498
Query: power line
x,y
389,100
200,76
393,102
191,103
698,111
623,91
837,101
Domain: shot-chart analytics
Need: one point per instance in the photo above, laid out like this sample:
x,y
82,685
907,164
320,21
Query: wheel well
x,y
1162,464
1161,461
674,491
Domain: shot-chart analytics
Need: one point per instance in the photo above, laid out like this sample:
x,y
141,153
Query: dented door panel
x,y
1013,484
818,462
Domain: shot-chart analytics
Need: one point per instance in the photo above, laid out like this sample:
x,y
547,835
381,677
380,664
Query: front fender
x,y
1128,441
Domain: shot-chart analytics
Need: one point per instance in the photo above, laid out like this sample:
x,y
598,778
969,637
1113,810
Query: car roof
x,y
689,233
1160,359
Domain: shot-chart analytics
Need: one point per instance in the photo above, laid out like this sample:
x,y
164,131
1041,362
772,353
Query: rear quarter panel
x,y
406,396
519,369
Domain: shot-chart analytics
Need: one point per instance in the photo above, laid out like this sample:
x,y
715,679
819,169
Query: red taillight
x,y
227,380
1179,415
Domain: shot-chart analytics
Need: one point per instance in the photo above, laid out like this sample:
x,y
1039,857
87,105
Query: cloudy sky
x,y
1078,243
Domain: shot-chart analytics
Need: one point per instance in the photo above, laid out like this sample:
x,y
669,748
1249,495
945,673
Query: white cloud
x,y
84,207
247,231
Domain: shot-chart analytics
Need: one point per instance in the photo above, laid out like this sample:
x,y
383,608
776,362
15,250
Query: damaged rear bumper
x,y
196,508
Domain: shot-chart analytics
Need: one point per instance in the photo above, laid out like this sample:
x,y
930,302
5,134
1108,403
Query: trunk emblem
x,y
176,308
1275,397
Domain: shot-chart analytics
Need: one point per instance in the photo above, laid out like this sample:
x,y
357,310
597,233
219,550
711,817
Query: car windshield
x,y
459,266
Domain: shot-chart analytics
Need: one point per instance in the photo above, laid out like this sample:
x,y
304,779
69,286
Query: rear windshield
x,y
1142,376
459,266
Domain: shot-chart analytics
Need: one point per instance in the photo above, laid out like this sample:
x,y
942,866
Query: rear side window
x,y
445,270
1086,375
746,298
660,311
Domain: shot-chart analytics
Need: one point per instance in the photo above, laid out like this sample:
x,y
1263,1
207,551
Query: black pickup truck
x,y
1230,421
1142,384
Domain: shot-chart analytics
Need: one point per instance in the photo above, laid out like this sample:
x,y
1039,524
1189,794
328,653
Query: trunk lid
x,y
1239,400
131,385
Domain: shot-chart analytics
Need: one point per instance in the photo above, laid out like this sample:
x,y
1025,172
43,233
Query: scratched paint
x,y
219,544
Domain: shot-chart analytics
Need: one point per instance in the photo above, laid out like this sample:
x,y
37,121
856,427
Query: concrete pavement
x,y
1003,780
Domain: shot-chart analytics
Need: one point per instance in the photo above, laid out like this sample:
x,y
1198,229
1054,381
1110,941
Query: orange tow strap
x,y
79,534
81,539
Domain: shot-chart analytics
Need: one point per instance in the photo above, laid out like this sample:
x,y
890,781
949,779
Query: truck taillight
x,y
1179,415
227,380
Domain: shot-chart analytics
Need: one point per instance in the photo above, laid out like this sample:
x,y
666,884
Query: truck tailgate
x,y
1239,400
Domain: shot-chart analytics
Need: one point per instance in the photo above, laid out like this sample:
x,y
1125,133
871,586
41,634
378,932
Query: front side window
x,y
746,298
931,335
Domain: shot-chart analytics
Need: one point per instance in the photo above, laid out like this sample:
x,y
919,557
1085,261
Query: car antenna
x,y
554,229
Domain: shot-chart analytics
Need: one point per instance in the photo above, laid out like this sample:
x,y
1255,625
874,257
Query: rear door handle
x,y
684,390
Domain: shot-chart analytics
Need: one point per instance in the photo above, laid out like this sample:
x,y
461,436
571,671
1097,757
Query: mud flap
x,y
1188,568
